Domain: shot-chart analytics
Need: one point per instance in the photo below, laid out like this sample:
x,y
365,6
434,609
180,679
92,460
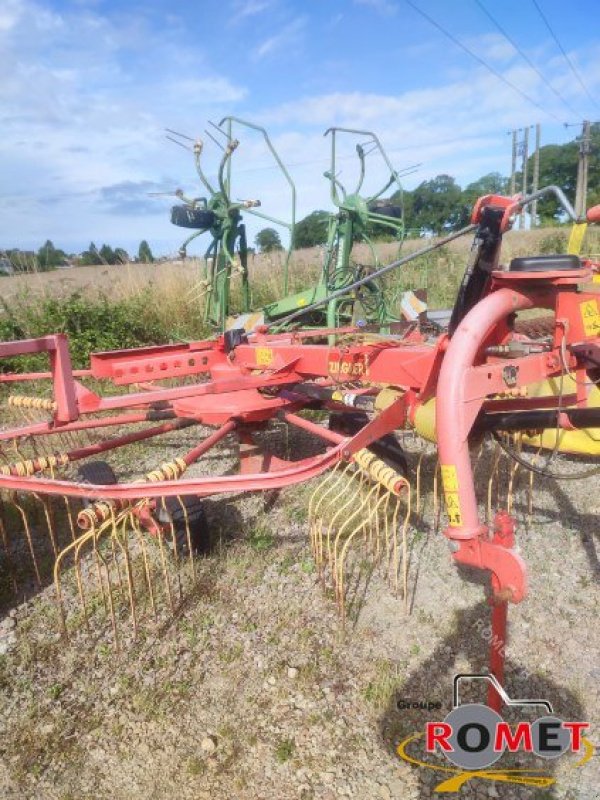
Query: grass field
x,y
104,307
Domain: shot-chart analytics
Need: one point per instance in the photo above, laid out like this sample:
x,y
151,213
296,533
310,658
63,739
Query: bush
x,y
553,243
91,325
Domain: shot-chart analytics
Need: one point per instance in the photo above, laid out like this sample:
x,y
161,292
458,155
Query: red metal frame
x,y
239,391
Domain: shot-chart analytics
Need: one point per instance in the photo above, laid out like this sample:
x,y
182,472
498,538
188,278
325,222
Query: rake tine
x,y
386,528
179,558
394,545
371,525
342,509
340,562
418,484
163,561
514,468
147,571
109,589
49,525
493,473
98,566
175,548
437,510
530,497
6,546
334,477
188,534
115,563
74,545
405,550
365,501
23,514
130,585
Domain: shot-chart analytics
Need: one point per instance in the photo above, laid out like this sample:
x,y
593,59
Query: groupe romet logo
x,y
473,737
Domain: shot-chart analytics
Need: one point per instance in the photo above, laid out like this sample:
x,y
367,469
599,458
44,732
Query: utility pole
x,y
582,170
536,173
513,168
524,170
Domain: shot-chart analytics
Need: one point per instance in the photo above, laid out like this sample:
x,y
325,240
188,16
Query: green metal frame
x,y
228,232
346,227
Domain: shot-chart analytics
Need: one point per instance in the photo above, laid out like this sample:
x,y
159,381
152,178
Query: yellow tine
x,y
340,561
493,472
125,550
365,501
23,514
405,552
357,477
163,561
436,497
141,540
109,589
6,546
418,484
317,526
188,533
514,467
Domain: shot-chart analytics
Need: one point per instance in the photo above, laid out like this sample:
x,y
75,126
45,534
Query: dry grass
x,y
174,288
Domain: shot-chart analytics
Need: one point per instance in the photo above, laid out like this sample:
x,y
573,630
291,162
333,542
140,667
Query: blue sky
x,y
88,87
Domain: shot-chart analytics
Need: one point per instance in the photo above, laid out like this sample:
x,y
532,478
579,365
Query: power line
x,y
481,61
562,50
524,56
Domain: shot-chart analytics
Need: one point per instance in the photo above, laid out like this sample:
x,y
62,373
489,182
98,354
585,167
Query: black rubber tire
x,y
167,512
99,473
196,218
170,512
386,209
387,448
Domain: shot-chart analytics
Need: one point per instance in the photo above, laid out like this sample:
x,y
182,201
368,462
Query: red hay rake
x,y
128,545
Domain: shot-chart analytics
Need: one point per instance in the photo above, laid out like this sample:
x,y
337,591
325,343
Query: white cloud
x,y
457,128
84,101
249,8
492,47
385,7
83,104
288,36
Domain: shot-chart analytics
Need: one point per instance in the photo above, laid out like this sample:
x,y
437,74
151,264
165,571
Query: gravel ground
x,y
255,691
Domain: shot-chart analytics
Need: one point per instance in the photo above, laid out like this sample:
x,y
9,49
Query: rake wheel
x,y
183,514
97,472
387,448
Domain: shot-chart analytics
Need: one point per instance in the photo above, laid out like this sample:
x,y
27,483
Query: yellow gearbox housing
x,y
585,442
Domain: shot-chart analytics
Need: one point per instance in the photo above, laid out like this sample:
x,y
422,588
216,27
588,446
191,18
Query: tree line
x,y
49,257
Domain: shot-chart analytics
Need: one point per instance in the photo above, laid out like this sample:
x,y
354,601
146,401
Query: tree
x,y
558,165
311,230
91,256
436,204
144,253
107,254
121,256
492,183
49,257
268,240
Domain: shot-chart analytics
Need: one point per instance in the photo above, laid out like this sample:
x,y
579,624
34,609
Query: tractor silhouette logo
x,y
473,737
